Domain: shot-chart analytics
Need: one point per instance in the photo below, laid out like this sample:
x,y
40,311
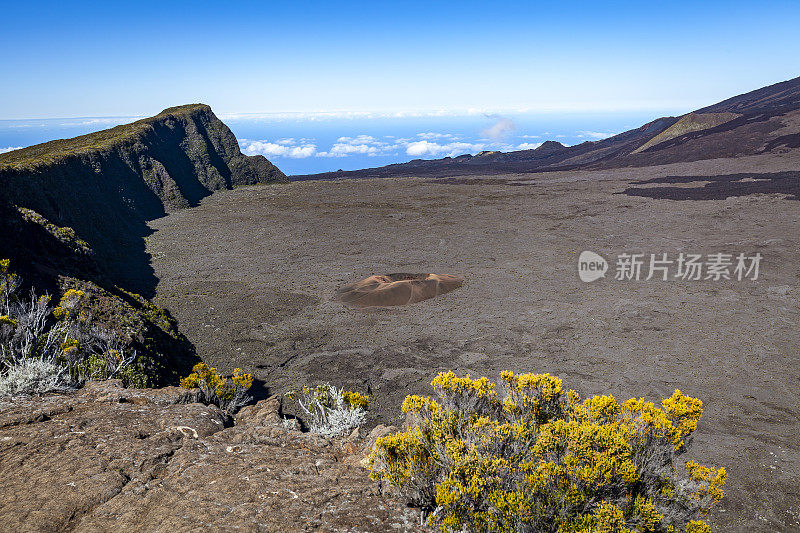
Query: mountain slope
x,y
763,120
779,97
74,214
108,184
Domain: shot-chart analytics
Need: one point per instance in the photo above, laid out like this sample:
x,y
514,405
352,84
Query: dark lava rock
x,y
106,458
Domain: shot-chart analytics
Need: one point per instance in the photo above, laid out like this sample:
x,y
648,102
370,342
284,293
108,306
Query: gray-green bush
x,y
45,348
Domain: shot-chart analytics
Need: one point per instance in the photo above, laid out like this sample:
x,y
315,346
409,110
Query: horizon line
x,y
396,113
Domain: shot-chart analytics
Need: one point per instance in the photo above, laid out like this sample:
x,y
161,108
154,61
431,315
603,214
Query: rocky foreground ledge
x,y
106,458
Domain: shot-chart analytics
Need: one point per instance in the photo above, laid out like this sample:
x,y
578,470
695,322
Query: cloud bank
x,y
280,148
422,145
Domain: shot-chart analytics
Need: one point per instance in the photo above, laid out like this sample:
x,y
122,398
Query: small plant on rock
x,y
32,376
228,394
43,348
540,459
331,411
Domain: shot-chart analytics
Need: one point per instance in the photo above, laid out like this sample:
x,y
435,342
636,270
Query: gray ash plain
x,y
251,273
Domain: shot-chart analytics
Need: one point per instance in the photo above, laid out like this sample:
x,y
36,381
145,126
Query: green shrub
x,y
541,459
58,346
227,394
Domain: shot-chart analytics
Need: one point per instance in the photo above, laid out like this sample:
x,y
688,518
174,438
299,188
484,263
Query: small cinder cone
x,y
396,289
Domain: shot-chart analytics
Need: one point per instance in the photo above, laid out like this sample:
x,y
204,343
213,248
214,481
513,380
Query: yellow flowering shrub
x,y
70,346
64,339
67,307
202,376
228,394
240,379
355,400
539,458
9,281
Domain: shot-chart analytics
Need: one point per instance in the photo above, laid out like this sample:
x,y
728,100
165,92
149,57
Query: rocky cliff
x,y
74,214
108,184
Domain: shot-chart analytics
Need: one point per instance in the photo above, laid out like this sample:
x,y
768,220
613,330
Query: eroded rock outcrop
x,y
111,459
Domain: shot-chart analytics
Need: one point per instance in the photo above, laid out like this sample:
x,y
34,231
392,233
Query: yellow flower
x,y
684,410
225,390
70,346
711,480
542,456
355,400
240,379
698,526
202,376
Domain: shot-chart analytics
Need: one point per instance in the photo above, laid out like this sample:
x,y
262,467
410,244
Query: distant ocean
x,y
304,143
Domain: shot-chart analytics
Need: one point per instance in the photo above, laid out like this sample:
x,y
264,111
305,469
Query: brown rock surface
x,y
397,289
111,459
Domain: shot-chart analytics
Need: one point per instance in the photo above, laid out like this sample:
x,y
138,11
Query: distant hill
x,y
764,120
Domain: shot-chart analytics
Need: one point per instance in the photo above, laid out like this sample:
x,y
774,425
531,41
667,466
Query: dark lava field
x,y
251,275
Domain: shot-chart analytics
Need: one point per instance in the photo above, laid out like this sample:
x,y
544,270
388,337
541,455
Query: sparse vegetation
x,y
45,348
228,394
331,411
53,151
540,459
65,235
32,376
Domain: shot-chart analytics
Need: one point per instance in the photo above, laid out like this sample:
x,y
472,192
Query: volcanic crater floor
x,y
250,274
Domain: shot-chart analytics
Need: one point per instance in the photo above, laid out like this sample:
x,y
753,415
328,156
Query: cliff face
x,y
108,184
74,214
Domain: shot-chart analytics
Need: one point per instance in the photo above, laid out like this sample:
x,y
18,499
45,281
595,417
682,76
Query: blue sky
x,y
78,59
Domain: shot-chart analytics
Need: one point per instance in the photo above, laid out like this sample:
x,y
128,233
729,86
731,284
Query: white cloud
x,y
422,148
501,127
360,139
102,121
303,151
597,135
421,145
428,148
344,149
528,146
9,149
279,148
358,145
429,135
